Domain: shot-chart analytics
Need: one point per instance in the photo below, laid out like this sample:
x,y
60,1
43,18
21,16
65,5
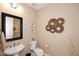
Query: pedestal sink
x,y
14,50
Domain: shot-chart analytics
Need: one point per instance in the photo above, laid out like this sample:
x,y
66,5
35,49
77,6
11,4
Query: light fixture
x,y
14,5
34,4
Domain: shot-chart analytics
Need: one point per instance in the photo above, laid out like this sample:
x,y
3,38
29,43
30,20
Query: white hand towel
x,y
3,40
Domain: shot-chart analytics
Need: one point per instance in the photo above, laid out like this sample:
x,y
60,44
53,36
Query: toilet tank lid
x,y
33,42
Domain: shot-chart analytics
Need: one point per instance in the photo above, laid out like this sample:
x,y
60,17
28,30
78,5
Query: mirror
x,y
12,27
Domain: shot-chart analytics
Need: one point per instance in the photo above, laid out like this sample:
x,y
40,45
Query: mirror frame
x,y
3,25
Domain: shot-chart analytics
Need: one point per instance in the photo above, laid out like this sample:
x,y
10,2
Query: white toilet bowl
x,y
38,52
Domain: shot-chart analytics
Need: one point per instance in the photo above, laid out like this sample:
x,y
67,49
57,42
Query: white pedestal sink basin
x,y
14,50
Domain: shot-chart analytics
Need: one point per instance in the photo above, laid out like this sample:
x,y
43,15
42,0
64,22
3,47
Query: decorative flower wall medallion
x,y
52,30
55,25
52,23
59,29
60,21
48,28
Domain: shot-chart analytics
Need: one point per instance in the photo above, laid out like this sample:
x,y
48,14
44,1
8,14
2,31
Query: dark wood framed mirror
x,y
12,27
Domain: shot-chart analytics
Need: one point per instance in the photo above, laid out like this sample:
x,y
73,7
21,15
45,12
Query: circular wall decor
x,y
52,30
55,25
60,21
52,23
59,29
48,28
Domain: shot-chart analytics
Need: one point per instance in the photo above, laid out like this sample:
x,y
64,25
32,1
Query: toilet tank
x,y
33,45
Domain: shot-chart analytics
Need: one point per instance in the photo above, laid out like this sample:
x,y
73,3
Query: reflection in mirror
x,y
16,28
9,27
12,27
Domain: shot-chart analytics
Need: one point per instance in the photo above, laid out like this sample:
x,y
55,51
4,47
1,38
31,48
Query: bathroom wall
x,y
29,16
65,43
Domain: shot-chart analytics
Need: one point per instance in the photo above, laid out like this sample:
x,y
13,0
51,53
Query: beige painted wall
x,y
65,43
29,16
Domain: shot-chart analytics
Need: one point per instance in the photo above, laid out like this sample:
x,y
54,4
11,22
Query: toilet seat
x,y
38,52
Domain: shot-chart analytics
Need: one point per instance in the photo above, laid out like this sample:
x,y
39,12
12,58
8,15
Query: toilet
x,y
36,51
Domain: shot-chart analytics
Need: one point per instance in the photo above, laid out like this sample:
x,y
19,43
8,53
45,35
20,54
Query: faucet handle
x,y
14,44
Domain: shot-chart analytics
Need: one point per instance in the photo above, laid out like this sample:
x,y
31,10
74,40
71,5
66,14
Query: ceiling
x,y
38,6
